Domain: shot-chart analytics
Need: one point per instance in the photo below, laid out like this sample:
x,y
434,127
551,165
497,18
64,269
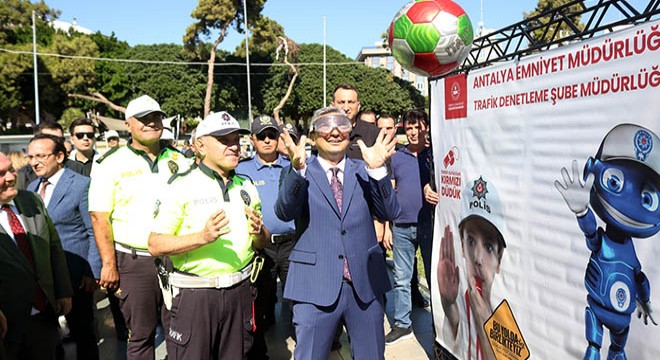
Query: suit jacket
x,y
26,174
69,211
326,235
18,280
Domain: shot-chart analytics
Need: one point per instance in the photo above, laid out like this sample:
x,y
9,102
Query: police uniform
x,y
266,178
124,184
211,312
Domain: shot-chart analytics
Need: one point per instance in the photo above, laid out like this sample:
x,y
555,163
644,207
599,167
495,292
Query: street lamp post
x,y
36,70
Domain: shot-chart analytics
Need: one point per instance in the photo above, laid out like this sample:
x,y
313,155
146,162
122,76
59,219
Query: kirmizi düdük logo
x,y
479,189
643,144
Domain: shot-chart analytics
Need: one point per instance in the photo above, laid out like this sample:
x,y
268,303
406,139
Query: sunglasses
x,y
81,135
267,134
325,124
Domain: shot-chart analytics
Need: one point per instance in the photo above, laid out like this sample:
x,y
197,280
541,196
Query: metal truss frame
x,y
517,40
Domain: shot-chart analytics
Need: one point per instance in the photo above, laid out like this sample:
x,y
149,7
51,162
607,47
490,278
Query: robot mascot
x,y
622,185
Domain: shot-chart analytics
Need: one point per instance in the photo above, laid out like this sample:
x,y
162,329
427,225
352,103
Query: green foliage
x,y
71,74
69,115
217,15
378,89
16,20
263,39
14,67
540,35
179,88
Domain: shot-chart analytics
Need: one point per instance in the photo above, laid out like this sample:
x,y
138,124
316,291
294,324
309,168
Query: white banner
x,y
524,270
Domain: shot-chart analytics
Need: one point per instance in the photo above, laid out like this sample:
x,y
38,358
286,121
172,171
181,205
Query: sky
x,y
350,24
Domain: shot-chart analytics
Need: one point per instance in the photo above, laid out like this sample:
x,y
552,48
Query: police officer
x,y
208,222
122,195
264,169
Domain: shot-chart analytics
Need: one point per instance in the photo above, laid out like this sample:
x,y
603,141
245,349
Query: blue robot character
x,y
622,185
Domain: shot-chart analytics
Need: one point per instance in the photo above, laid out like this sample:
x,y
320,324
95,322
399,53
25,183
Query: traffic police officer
x,y
208,222
264,169
122,195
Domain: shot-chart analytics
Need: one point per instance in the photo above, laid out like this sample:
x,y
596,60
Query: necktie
x,y
42,191
337,187
23,243
338,192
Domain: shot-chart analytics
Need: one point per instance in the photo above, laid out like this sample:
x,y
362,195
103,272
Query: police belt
x,y
131,250
282,238
180,280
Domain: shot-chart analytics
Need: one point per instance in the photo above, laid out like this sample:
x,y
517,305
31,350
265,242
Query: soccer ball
x,y
430,37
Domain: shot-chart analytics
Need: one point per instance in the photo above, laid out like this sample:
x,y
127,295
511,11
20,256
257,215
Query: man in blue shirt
x,y
410,172
264,169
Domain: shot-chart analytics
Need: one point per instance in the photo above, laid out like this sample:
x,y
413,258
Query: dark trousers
x,y
276,265
39,342
82,325
211,323
141,303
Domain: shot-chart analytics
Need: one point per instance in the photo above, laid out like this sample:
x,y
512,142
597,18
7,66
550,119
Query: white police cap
x,y
631,142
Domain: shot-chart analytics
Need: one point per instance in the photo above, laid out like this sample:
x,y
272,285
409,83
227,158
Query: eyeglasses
x,y
267,134
81,135
113,139
38,157
325,124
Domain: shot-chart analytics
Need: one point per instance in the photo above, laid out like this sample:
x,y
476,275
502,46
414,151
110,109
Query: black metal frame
x,y
516,41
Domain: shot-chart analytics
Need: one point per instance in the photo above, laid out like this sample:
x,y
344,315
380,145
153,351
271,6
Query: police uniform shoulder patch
x,y
107,153
178,174
246,197
173,166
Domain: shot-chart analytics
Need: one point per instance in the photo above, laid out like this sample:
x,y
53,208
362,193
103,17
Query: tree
x,y
565,23
218,15
379,89
16,20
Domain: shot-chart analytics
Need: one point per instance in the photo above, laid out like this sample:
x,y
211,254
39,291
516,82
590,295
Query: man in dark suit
x,y
64,193
26,174
34,280
337,271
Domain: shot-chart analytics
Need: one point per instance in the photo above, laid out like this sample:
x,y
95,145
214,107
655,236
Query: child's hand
x,y
447,269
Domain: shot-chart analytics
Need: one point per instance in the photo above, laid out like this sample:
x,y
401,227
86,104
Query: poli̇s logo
x,y
643,144
480,189
620,296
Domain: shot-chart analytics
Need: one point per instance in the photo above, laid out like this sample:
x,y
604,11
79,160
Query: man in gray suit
x,y
64,193
34,280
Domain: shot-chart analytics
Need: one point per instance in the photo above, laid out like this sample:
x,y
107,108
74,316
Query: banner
x,y
546,235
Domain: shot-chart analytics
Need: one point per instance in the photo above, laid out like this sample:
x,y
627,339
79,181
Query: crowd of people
x,y
194,240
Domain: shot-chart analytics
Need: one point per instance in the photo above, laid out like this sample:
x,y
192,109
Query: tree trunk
x,y
276,111
98,97
209,82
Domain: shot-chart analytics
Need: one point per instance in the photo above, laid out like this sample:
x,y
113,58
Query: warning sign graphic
x,y
504,335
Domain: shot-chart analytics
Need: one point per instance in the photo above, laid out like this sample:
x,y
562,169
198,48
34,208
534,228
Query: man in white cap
x,y
208,222
122,204
482,245
112,139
